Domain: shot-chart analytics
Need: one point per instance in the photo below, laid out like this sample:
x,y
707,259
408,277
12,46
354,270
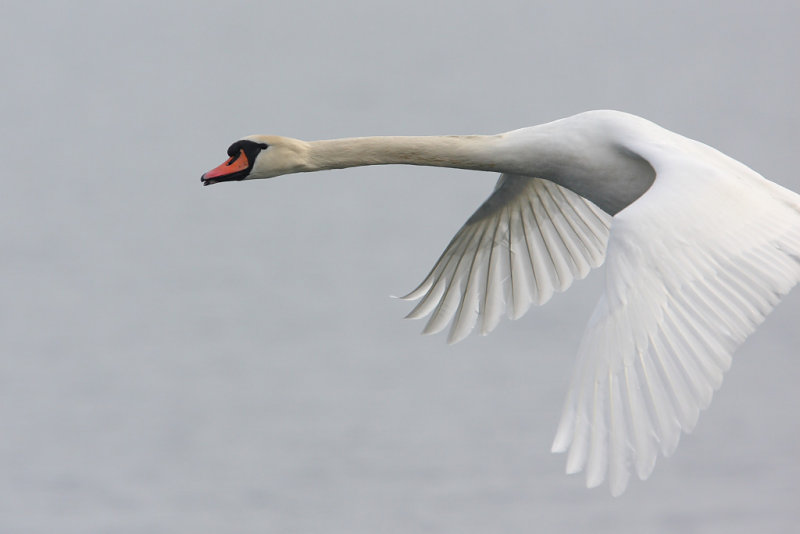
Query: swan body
x,y
698,248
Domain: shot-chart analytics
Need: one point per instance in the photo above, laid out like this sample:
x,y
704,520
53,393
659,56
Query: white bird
x,y
699,250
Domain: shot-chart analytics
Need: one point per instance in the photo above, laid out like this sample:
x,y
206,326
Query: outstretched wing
x,y
529,239
693,267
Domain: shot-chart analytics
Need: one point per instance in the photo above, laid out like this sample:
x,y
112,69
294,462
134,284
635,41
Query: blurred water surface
x,y
225,359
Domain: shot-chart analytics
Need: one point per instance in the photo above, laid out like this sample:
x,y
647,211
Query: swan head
x,y
259,156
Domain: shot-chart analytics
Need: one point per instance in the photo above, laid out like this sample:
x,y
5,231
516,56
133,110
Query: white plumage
x,y
528,240
699,250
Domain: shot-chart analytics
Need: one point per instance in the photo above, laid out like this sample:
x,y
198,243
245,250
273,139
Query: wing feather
x,y
690,274
529,239
520,261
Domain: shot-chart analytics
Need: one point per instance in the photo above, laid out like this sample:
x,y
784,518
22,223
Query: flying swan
x,y
699,249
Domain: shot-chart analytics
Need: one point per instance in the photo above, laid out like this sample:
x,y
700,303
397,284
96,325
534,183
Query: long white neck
x,y
586,153
476,152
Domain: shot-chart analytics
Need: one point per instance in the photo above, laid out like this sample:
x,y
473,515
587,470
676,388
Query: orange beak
x,y
233,165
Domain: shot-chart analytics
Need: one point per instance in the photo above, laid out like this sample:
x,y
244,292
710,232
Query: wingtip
x,y
456,336
618,489
417,292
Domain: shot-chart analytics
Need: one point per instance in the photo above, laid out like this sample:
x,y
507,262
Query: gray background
x,y
226,359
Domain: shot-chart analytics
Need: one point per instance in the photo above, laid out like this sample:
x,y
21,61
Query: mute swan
x,y
699,250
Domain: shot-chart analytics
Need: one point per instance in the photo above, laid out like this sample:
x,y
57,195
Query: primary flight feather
x,y
698,247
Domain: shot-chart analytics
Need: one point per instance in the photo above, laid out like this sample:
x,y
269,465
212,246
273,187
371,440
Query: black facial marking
x,y
251,148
